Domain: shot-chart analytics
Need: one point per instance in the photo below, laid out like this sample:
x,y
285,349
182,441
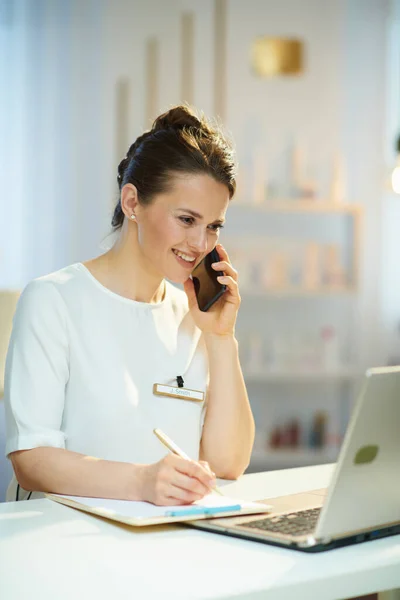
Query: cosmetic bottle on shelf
x,y
334,274
338,185
318,430
293,433
259,178
311,266
275,438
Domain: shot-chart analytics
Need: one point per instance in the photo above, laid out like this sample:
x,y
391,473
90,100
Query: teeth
x,y
184,256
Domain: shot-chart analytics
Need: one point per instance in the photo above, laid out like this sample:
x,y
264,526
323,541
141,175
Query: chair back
x,y
8,303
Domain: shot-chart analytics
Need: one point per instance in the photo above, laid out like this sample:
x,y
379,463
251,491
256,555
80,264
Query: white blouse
x,y
81,365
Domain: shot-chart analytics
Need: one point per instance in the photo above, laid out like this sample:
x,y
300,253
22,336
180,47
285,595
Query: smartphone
x,y
208,289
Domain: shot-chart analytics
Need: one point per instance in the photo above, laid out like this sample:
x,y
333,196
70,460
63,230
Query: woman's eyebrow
x,y
193,213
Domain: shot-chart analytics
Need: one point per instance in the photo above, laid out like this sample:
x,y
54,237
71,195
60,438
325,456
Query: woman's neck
x,y
124,270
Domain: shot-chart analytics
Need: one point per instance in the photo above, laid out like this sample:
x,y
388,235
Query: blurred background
x,y
309,90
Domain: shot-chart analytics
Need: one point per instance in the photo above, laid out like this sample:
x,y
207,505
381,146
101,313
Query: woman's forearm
x,y
228,433
62,471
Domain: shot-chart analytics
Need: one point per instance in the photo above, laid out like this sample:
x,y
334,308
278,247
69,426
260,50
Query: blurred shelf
x,y
302,206
301,375
287,458
296,291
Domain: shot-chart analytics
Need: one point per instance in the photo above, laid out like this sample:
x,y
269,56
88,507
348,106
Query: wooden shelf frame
x,y
295,375
293,457
316,207
302,206
297,291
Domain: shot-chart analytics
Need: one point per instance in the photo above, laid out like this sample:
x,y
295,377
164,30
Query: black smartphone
x,y
208,289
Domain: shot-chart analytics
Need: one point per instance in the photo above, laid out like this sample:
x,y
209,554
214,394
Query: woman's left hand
x,y
220,319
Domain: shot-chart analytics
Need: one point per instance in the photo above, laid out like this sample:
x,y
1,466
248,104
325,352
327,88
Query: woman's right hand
x,y
175,480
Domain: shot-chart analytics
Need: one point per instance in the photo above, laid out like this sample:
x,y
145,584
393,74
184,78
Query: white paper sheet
x,y
145,510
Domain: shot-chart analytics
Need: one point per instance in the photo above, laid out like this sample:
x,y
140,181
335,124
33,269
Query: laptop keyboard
x,y
296,523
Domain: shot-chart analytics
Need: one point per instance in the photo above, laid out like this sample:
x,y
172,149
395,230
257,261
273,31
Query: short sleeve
x,y
37,370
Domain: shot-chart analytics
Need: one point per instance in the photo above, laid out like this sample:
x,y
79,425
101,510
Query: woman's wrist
x,y
218,340
135,482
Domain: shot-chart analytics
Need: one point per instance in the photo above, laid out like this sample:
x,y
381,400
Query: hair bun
x,y
180,117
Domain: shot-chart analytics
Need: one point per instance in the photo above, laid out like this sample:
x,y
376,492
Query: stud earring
x,y
133,217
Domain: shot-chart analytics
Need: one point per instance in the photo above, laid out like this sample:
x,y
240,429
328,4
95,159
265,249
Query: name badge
x,y
160,389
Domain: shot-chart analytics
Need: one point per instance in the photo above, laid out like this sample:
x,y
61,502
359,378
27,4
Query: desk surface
x,y
50,551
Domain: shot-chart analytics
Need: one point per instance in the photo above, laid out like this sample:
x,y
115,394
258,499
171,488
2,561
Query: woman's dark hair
x,y
179,142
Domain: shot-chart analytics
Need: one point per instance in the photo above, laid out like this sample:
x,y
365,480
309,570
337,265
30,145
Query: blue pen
x,y
202,510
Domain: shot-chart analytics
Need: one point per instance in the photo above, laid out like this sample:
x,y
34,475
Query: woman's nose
x,y
198,240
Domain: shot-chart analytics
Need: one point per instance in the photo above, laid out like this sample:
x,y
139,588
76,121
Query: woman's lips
x,y
184,263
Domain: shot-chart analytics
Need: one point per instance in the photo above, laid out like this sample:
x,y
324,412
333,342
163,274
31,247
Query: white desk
x,y
49,551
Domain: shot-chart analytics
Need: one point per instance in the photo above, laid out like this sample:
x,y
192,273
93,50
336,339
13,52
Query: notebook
x,y
144,513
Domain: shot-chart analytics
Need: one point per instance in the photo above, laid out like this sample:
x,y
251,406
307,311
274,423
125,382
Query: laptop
x,y
362,501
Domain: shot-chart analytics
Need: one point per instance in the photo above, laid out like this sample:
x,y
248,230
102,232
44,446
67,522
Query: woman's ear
x,y
129,200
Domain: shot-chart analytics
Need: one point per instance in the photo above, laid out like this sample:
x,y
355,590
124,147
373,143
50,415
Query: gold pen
x,y
172,447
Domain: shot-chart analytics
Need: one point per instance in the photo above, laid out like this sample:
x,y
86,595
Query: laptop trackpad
x,y
282,504
301,501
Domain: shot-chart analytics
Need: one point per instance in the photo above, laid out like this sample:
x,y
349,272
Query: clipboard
x,y
141,514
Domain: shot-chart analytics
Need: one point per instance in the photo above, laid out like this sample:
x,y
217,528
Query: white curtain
x,y
55,190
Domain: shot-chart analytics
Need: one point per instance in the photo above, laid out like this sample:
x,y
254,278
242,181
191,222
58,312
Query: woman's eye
x,y
216,227
190,221
187,220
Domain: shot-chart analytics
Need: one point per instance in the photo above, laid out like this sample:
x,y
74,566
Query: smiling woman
x,y
91,340
175,179
168,233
